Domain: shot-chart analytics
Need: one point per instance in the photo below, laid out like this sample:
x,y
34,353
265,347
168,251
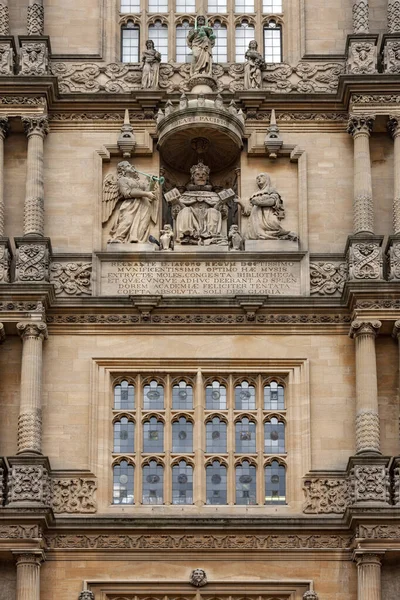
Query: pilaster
x,y
369,575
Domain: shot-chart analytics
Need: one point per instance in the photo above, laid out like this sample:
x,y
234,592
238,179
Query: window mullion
x,y
138,441
231,496
167,441
259,440
199,439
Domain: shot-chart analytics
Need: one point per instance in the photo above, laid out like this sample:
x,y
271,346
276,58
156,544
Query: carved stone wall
x,y
327,278
73,495
326,495
29,483
71,278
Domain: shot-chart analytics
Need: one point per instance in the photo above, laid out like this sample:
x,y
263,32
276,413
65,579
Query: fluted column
x,y
4,18
369,576
360,16
367,415
30,412
36,129
35,17
28,576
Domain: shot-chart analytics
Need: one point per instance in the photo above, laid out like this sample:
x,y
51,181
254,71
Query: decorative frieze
x,y
326,495
25,100
287,117
73,495
327,279
20,532
71,279
379,531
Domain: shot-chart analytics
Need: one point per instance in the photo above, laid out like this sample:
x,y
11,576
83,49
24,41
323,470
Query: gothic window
x,y
217,6
275,483
159,34
153,395
186,6
244,6
246,483
153,483
274,436
245,436
216,483
153,436
123,483
245,396
182,396
124,396
244,33
220,50
272,6
130,43
182,436
124,436
216,436
215,396
158,6
130,6
274,396
182,483
272,42
182,49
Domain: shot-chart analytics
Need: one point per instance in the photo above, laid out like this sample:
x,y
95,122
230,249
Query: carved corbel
x,y
145,305
250,307
126,140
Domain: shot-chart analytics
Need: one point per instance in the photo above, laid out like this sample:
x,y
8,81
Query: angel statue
x,y
139,207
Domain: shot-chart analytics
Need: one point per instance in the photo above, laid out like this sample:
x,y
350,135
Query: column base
x,y
369,480
32,259
390,49
362,54
5,258
8,54
28,481
364,257
35,53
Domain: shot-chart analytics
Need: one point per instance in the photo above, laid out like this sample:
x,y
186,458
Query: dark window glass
x,y
216,480
182,483
153,483
216,436
274,432
182,436
245,396
124,436
182,396
215,396
274,396
123,483
245,434
246,483
275,483
153,396
153,436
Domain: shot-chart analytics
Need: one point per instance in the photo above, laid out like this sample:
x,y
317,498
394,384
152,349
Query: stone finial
x,y
219,102
35,17
27,329
360,124
4,18
126,140
169,108
232,108
160,116
273,141
365,328
36,125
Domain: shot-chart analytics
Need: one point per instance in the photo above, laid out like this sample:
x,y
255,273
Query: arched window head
x,y
246,483
124,431
130,6
220,50
216,436
124,396
245,396
275,483
245,434
244,6
185,6
153,395
123,483
216,396
182,396
274,396
274,436
182,436
272,6
153,436
130,43
159,34
272,42
182,483
244,33
183,52
217,6
216,483
153,483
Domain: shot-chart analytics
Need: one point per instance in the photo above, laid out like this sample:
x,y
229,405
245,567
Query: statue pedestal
x,y
194,249
202,84
271,246
145,247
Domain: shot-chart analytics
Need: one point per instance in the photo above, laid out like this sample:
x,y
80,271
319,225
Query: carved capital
x,y
4,18
360,124
369,558
86,595
36,125
393,125
35,17
370,328
29,558
4,126
32,330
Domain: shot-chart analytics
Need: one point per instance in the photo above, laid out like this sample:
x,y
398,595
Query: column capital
x,y
35,17
360,124
32,330
36,125
368,558
4,123
370,328
86,595
29,558
393,125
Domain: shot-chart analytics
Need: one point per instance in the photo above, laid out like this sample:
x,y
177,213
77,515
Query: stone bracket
x,y
33,258
362,54
35,54
364,257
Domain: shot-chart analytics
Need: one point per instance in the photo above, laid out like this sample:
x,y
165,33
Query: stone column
x,y
4,243
28,576
360,16
369,576
35,47
393,248
33,249
367,416
391,41
4,18
30,412
35,18
361,46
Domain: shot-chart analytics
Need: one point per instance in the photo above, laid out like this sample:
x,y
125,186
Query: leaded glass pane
x,y
244,6
182,49
272,6
124,396
274,396
243,35
153,483
123,483
216,481
217,6
216,436
245,396
220,50
186,6
216,396
130,44
275,483
182,396
272,43
158,6
182,483
159,34
274,434
182,436
246,483
153,396
153,436
130,6
124,436
245,434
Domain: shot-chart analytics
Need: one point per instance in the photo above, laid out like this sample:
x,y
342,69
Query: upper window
x,y
158,6
153,396
123,483
124,396
153,483
217,6
244,33
216,396
220,50
182,49
245,396
272,6
274,396
182,396
272,43
130,6
182,483
130,43
244,6
159,34
186,6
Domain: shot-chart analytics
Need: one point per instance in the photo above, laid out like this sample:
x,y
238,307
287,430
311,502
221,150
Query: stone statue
x,y
266,212
201,41
199,211
235,239
253,67
139,207
151,59
198,578
167,238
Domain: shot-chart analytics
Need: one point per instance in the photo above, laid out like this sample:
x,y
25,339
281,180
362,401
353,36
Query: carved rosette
x,y
4,18
370,483
86,595
74,495
393,16
365,258
34,58
32,262
326,495
362,57
35,18
360,16
327,279
71,279
6,56
29,483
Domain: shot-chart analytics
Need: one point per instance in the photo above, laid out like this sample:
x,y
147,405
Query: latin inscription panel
x,y
200,278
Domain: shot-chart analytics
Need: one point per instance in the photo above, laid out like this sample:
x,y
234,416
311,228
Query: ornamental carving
x,y
86,595
198,578
34,58
35,330
367,429
375,99
35,19
36,125
360,124
396,485
365,328
391,56
73,495
5,260
310,595
393,16
29,483
259,115
71,279
6,58
2,487
362,59
365,261
379,531
327,279
360,16
34,101
30,429
4,19
32,263
20,532
326,495
370,483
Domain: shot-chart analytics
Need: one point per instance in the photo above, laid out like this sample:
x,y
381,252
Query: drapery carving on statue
x,y
265,212
139,207
151,60
201,40
199,212
253,67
